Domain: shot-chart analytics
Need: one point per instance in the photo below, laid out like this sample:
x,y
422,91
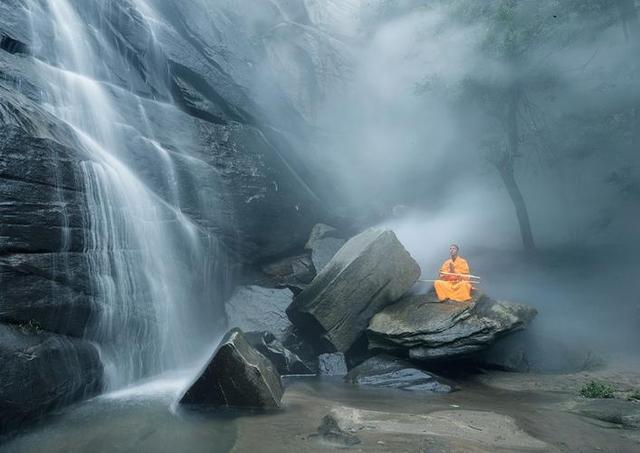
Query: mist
x,y
410,147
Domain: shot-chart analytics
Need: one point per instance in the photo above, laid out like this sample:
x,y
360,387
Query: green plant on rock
x,y
595,389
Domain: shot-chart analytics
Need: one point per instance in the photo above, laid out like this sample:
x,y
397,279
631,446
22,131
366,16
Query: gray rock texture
x,y
370,271
332,364
392,372
295,272
236,376
252,308
318,232
427,330
285,361
212,103
323,250
41,372
620,412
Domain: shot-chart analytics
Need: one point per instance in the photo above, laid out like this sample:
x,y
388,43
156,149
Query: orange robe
x,y
453,287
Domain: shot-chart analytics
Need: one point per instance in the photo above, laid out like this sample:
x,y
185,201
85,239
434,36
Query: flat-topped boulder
x,y
236,376
371,271
392,372
426,330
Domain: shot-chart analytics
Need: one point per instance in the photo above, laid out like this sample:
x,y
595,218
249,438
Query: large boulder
x,y
42,371
253,308
369,272
428,330
236,376
392,372
285,361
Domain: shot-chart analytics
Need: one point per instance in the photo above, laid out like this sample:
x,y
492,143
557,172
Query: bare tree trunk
x,y
506,169
522,213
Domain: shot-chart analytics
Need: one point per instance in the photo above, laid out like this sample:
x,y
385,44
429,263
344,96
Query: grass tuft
x,y
595,389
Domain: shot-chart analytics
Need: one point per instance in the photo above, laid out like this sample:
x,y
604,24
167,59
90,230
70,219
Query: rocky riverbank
x,y
537,412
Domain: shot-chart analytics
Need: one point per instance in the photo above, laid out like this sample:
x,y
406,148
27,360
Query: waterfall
x,y
152,270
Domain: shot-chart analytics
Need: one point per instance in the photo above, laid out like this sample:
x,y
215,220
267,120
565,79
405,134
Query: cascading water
x,y
151,308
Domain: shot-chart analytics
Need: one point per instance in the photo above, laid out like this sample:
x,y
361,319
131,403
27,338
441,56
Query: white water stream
x,y
150,267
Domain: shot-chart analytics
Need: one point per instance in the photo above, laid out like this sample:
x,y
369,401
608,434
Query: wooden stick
x,y
432,281
460,275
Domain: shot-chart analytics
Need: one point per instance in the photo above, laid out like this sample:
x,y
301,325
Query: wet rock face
x,y
332,364
323,250
42,371
236,376
369,272
295,272
285,361
431,331
253,308
392,372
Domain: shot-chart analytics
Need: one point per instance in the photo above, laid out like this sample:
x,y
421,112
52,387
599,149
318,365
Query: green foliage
x,y
635,396
595,389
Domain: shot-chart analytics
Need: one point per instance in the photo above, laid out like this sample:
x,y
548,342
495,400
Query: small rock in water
x,y
330,432
236,376
332,364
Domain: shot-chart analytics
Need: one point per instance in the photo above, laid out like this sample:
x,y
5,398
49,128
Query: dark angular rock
x,y
253,308
236,376
369,272
296,271
299,346
388,371
332,364
429,331
285,361
42,371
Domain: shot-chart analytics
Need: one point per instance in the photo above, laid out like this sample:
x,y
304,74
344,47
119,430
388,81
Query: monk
x,y
454,287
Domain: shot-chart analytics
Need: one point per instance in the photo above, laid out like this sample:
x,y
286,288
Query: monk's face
x,y
453,251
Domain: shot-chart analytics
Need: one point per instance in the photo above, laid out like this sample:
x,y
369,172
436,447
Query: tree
x,y
515,30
